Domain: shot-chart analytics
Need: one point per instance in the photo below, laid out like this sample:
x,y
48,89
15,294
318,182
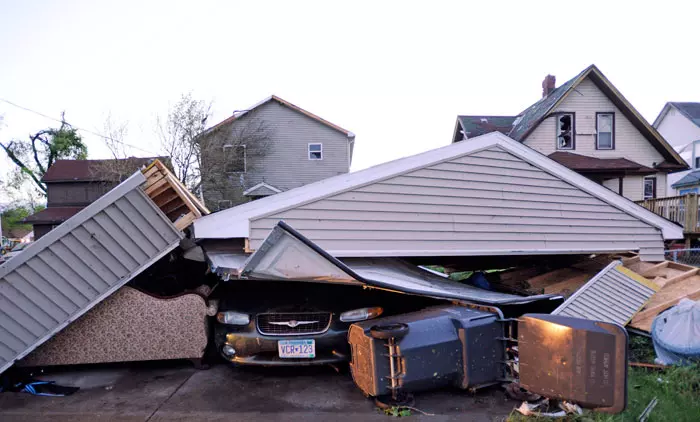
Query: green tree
x,y
35,155
12,217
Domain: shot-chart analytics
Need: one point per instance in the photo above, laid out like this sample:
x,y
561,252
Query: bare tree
x,y
210,159
178,137
230,157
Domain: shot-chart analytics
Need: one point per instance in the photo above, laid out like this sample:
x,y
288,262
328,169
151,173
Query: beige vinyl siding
x,y
585,101
633,186
613,185
489,202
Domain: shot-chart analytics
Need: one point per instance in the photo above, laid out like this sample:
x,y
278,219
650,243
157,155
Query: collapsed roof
x,y
489,196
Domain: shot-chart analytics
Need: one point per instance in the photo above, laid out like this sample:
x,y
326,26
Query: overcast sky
x,y
394,73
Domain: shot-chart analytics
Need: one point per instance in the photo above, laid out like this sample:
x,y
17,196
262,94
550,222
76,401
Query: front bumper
x,y
253,348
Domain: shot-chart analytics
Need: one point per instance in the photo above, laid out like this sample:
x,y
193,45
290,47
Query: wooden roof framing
x,y
171,196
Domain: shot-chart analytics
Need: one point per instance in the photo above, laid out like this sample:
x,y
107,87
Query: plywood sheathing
x,y
171,196
676,281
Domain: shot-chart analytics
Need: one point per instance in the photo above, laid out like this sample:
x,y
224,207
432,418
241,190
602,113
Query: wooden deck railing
x,y
681,209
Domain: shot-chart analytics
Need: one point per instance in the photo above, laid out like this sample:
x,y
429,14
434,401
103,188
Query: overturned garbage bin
x,y
559,357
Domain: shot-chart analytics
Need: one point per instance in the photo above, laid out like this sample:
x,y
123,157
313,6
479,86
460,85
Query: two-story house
x,y
72,185
679,124
587,125
269,148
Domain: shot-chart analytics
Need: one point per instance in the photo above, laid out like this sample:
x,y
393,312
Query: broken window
x,y
565,131
315,151
649,187
234,159
604,130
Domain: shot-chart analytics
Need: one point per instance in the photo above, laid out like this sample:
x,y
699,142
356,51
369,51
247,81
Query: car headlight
x,y
233,318
361,314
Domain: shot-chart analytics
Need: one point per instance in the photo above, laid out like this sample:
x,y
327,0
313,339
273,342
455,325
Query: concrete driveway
x,y
174,391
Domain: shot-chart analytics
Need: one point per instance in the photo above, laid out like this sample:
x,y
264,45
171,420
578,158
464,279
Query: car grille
x,y
293,323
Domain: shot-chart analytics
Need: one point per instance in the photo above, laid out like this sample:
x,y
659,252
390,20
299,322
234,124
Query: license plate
x,y
297,348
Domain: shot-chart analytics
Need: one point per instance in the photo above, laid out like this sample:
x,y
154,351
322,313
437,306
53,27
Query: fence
x,y
680,209
684,256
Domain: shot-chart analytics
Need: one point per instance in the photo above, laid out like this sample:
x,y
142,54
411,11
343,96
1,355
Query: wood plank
x,y
649,271
674,280
568,286
552,277
644,319
155,186
165,199
184,222
150,171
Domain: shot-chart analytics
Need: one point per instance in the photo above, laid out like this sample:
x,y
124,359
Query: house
x,y
491,196
679,124
272,147
74,184
587,125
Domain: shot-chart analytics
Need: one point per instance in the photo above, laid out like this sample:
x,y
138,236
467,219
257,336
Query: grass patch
x,y
677,390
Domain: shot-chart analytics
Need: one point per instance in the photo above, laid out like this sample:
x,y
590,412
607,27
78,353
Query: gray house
x,y
269,148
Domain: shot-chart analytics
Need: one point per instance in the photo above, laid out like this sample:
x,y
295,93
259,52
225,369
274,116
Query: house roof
x,y
583,163
692,178
94,170
235,222
532,116
474,126
52,215
18,232
690,110
285,103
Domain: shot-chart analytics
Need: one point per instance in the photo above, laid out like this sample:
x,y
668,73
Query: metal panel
x,y
75,266
615,294
288,255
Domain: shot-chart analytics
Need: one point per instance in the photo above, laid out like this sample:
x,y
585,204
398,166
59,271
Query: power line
x,y
76,127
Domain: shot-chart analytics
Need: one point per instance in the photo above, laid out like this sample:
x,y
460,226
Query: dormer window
x,y
605,131
565,131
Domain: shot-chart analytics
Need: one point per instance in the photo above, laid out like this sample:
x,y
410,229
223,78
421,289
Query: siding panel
x,y
72,268
454,206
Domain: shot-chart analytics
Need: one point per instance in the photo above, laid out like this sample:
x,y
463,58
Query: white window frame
x,y
308,150
245,159
573,131
218,203
654,187
612,131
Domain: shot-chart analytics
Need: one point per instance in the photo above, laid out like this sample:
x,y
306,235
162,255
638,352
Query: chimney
x,y
548,85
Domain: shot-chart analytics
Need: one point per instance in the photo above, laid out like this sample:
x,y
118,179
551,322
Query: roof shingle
x,y
481,125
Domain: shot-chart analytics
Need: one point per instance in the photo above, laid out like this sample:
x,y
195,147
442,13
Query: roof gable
x,y
235,222
531,117
285,103
689,110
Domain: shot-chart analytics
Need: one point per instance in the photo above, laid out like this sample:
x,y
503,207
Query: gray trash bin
x,y
439,346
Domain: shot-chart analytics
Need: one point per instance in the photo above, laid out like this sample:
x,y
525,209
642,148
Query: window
x,y
565,131
234,159
697,162
224,203
315,151
605,128
649,187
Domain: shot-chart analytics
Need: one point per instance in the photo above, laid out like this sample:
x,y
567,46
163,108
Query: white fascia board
x,y
661,115
261,185
234,222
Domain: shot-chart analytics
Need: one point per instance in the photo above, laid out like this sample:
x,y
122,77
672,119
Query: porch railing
x,y
681,209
